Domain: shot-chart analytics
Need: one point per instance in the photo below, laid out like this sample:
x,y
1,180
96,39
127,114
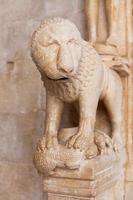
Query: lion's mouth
x,y
64,78
59,79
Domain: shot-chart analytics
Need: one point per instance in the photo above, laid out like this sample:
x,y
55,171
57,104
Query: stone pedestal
x,y
98,179
83,162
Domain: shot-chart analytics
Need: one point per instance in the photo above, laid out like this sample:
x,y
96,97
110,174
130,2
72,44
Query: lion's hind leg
x,y
113,103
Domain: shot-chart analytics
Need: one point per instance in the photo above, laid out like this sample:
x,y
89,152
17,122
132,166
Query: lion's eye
x,y
48,44
72,41
51,45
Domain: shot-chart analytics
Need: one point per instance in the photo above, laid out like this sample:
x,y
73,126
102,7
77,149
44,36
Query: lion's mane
x,y
90,63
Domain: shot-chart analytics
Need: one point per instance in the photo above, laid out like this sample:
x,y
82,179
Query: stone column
x,y
99,179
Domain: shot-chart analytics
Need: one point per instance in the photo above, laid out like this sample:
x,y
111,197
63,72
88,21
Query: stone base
x,y
64,197
102,180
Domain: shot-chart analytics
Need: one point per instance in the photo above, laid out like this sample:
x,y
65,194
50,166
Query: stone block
x,y
19,182
21,87
15,38
21,10
17,140
62,7
129,191
79,19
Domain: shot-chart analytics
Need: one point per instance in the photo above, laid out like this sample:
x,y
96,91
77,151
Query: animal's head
x,y
56,48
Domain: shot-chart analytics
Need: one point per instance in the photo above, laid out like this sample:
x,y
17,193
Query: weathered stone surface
x,y
22,10
63,197
111,46
19,181
72,71
32,9
25,91
22,95
16,133
129,191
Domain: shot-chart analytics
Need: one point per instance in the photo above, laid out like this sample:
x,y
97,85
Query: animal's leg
x,y
85,136
113,103
54,108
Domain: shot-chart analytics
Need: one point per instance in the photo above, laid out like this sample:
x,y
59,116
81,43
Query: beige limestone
x,y
18,19
112,8
22,99
22,181
80,162
72,71
110,44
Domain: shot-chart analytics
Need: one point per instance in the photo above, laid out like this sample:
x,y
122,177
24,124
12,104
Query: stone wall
x,y
22,101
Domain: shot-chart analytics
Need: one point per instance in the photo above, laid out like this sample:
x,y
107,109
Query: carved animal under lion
x,y
72,70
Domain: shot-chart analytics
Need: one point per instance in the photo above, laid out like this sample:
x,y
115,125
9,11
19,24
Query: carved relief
x,y
107,31
72,71
111,13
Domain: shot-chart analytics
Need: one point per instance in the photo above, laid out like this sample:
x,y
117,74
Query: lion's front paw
x,y
41,145
79,141
51,142
72,140
82,142
92,151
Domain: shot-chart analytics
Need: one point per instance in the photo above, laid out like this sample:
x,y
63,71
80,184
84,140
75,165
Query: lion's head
x,y
56,48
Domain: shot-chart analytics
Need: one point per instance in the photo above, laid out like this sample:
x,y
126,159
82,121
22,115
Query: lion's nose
x,y
66,69
65,61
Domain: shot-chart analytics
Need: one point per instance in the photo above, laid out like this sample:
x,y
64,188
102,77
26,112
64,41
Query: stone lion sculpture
x,y
72,70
